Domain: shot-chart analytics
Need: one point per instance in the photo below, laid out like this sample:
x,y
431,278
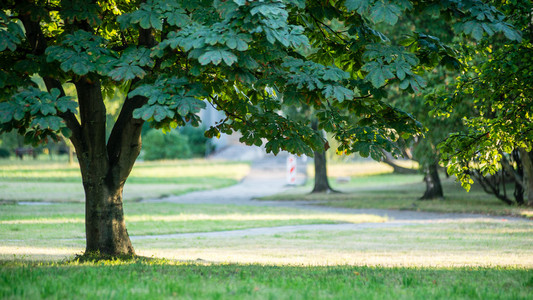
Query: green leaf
x,y
48,109
48,122
384,11
64,104
66,132
155,21
80,68
377,73
145,22
161,113
189,105
216,56
177,18
127,72
359,5
7,110
338,92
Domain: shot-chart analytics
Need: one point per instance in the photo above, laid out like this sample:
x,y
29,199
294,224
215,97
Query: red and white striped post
x,y
291,169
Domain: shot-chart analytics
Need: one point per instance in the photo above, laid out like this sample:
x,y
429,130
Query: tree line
x,y
338,62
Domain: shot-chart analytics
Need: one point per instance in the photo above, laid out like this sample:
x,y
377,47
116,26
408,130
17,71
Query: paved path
x,y
267,177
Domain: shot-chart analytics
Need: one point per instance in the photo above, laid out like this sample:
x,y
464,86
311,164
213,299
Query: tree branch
x,y
225,110
330,29
507,166
124,144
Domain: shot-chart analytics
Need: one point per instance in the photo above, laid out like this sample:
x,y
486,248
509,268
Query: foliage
x,y
202,46
186,137
245,58
198,143
4,153
171,145
497,81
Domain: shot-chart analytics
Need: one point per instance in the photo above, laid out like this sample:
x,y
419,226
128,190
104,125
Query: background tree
x,y
498,79
167,56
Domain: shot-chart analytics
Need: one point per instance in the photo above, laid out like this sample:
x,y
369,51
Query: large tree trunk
x,y
433,184
104,220
527,166
104,169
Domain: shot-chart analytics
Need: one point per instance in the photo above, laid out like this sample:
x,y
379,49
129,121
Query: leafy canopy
x,y
246,58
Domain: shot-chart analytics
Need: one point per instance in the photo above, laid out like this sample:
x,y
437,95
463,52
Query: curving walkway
x,y
267,177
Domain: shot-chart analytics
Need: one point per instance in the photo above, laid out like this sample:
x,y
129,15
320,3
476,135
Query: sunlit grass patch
x,y
55,182
402,192
189,280
473,242
66,221
486,243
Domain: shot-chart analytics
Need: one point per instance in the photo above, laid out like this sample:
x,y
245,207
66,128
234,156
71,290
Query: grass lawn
x,y
170,280
38,180
46,223
401,192
483,258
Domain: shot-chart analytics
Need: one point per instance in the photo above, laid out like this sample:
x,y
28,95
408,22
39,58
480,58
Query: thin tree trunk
x,y
321,171
518,177
527,165
321,174
433,183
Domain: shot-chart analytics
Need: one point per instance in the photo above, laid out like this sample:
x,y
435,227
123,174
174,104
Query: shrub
x,y
4,153
197,140
172,145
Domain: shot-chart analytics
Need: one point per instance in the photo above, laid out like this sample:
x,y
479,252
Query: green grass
x,y
38,180
170,280
66,221
444,244
402,192
471,242
469,259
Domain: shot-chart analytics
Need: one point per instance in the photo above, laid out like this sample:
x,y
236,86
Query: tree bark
x,y
433,183
321,171
518,176
321,174
527,166
103,181
104,219
104,168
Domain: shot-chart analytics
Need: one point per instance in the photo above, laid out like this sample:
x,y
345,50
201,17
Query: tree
x,y
499,134
243,57
320,164
321,181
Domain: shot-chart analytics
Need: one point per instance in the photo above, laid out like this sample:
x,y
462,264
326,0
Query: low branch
x,y
511,170
490,187
389,160
124,144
